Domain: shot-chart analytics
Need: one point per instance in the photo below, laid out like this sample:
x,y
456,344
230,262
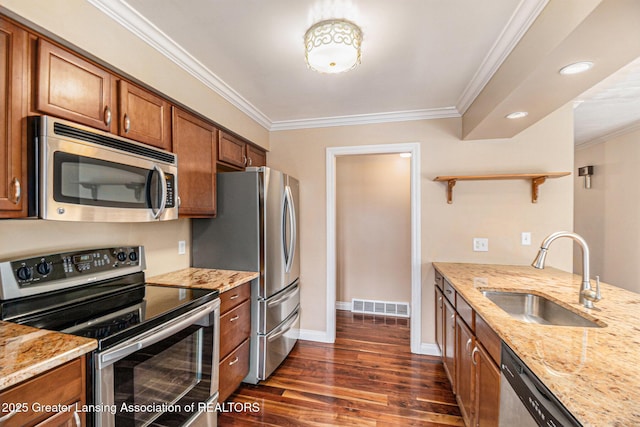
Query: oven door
x,y
166,376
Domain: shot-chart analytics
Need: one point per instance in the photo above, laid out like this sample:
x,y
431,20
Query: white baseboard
x,y
429,349
343,305
317,336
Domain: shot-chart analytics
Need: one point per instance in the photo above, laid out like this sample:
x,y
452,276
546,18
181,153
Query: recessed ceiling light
x,y
578,67
517,115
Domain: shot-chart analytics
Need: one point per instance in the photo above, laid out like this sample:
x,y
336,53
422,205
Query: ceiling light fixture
x,y
578,67
333,46
517,115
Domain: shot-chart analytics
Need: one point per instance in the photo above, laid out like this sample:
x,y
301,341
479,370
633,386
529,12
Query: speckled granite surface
x,y
222,280
593,371
26,352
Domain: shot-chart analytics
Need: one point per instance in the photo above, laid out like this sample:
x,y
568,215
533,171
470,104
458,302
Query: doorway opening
x,y
412,149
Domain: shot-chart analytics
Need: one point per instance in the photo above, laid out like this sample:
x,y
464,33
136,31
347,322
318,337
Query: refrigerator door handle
x,y
289,252
284,328
285,297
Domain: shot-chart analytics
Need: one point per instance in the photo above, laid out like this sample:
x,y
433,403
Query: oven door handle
x,y
155,335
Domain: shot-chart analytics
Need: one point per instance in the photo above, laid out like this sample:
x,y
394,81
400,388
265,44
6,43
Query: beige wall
x,y
81,24
608,215
498,210
29,237
373,228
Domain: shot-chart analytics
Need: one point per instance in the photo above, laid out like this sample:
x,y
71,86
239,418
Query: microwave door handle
x,y
163,185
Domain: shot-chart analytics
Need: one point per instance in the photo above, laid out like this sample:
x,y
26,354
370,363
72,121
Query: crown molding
x,y
524,15
130,19
609,136
366,119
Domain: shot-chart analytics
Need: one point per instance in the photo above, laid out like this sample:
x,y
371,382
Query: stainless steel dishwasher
x,y
524,400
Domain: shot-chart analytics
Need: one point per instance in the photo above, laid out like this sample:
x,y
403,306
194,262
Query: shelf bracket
x,y
535,184
450,184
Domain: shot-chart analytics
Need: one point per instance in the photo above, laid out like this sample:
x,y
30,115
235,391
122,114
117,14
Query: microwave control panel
x,y
46,269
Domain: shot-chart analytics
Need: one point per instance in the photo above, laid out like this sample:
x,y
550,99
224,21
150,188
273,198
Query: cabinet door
x,y
72,88
440,331
194,141
143,116
487,398
13,90
256,157
450,343
465,373
231,150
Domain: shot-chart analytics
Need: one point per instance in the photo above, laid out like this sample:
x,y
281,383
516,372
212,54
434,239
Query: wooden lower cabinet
x,y
470,355
465,372
235,329
487,397
60,387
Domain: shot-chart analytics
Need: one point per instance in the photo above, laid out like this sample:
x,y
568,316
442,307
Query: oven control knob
x,y
121,256
133,256
43,268
24,273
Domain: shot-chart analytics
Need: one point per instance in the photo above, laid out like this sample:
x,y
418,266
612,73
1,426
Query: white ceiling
x,y
420,58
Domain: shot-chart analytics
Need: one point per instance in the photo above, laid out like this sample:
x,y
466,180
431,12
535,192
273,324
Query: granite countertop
x,y
26,352
591,370
204,278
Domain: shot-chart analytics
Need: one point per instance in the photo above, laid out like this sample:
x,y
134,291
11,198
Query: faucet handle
x,y
590,294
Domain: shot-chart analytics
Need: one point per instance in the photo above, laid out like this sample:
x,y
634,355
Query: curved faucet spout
x,y
585,290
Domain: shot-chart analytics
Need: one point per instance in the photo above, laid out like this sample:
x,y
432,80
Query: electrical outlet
x,y
525,238
480,244
182,247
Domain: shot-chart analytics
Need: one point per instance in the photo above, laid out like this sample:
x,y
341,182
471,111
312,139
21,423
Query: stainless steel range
x,y
157,357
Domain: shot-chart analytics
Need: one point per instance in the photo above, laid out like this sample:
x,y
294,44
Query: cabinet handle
x,y
17,190
107,115
234,361
250,161
244,160
9,415
236,296
127,123
448,291
468,345
473,356
234,318
76,418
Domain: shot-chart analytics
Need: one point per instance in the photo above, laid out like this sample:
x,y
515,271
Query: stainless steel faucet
x,y
587,295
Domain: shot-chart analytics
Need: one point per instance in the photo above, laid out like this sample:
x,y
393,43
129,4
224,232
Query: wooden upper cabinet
x,y
255,156
143,116
231,150
73,88
194,141
13,91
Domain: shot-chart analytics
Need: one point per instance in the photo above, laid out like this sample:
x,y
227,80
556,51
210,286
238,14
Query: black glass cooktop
x,y
109,311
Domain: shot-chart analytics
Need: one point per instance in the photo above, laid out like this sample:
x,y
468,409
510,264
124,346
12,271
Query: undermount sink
x,y
537,309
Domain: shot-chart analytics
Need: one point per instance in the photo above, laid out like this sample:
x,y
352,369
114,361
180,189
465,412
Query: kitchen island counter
x,y
26,352
204,278
590,370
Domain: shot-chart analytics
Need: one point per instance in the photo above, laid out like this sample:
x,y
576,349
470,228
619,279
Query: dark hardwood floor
x,y
367,378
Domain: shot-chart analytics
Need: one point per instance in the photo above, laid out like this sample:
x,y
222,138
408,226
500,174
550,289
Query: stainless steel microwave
x,y
77,173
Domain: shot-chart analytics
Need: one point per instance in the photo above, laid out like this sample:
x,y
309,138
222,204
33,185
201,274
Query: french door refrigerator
x,y
256,229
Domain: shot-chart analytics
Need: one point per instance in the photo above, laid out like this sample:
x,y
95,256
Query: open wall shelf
x,y
537,179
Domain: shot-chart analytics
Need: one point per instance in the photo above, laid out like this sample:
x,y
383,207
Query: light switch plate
x,y
480,244
525,238
182,247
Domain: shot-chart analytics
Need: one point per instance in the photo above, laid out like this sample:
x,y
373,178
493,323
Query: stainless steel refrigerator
x,y
256,229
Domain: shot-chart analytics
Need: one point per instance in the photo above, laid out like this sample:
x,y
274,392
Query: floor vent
x,y
382,308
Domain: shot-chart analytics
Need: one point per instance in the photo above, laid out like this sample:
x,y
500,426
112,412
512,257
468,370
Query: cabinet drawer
x,y
62,385
439,280
466,312
233,369
234,297
235,327
449,292
489,339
